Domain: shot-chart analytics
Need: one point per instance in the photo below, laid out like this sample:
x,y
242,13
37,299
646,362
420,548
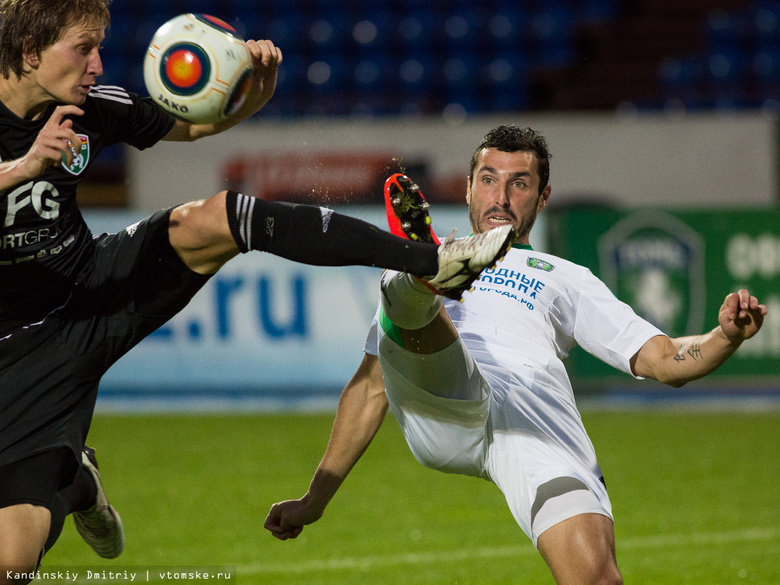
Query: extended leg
x,y
208,233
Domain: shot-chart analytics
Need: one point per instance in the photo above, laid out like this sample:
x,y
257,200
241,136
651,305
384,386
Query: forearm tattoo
x,y
689,351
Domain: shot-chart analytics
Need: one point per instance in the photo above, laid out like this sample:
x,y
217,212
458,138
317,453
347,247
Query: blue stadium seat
x,y
551,31
766,63
419,26
417,72
503,28
766,21
462,24
553,21
681,72
329,72
726,66
727,31
291,76
289,33
330,33
594,10
460,70
506,83
372,32
370,72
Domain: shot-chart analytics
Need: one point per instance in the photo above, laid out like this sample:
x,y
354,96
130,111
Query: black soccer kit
x,y
71,304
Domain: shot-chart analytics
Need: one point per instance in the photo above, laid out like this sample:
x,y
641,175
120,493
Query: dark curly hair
x,y
508,138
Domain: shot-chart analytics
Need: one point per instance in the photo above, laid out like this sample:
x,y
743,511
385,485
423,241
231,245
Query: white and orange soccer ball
x,y
198,68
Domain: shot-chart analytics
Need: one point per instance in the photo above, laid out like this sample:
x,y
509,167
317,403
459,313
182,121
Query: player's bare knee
x,y
609,577
603,572
200,234
23,532
201,222
18,566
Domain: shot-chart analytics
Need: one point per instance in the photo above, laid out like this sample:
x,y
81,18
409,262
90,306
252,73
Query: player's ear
x,y
31,58
468,190
544,198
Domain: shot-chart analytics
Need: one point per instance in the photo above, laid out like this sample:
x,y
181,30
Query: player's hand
x,y
741,316
287,519
266,58
55,140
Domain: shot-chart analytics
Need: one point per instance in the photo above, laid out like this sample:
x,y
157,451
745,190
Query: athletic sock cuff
x,y
390,329
239,215
407,303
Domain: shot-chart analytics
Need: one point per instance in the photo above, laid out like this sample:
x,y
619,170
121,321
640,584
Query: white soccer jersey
x,y
520,321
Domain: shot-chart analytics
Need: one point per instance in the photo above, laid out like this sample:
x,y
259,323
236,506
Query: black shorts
x,y
37,479
49,371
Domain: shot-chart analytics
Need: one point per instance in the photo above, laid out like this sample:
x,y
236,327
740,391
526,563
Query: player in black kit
x,y
72,304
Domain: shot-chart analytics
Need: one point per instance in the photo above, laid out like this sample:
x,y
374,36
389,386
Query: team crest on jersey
x,y
80,160
540,264
655,263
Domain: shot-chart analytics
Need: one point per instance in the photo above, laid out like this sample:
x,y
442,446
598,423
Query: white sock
x,y
407,302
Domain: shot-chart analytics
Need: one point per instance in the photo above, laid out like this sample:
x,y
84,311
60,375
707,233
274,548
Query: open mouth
x,y
499,220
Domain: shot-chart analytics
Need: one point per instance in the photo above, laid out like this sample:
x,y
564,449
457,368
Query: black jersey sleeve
x,y
127,117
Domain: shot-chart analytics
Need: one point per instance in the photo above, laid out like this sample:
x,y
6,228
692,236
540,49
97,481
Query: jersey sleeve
x,y
607,327
371,345
129,118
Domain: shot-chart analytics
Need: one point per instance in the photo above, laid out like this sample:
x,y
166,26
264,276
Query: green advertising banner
x,y
675,269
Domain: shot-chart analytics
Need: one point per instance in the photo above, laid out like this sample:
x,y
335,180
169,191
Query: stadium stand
x,y
390,57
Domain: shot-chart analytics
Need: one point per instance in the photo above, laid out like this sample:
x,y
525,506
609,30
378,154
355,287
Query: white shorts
x,y
542,485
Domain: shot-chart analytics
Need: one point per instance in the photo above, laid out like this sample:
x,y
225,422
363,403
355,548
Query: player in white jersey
x,y
479,387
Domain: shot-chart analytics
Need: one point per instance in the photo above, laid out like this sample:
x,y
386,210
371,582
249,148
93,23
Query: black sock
x,y
322,237
77,496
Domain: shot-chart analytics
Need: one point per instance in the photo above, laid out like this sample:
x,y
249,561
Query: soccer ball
x,y
198,68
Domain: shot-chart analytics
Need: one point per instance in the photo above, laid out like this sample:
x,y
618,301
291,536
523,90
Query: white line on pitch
x,y
369,562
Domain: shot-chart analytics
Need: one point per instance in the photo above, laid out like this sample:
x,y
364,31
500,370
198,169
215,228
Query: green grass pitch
x,y
696,497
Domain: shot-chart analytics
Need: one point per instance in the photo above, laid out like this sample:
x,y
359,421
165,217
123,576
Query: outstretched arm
x,y
266,58
683,359
361,410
